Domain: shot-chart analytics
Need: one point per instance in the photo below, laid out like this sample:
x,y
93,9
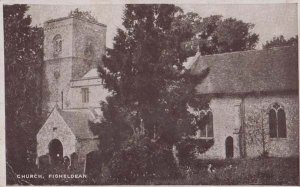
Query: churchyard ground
x,y
256,171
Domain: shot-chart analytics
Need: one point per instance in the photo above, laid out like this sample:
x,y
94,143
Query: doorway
x,y
229,147
56,152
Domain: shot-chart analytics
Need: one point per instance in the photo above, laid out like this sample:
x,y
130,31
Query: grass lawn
x,y
267,171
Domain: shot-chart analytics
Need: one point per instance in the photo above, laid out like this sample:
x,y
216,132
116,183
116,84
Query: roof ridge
x,y
261,70
251,50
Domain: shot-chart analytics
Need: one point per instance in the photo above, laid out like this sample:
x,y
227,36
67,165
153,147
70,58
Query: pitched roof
x,y
265,70
78,121
92,73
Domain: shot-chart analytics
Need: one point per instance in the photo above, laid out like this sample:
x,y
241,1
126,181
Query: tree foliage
x,y
84,15
151,89
140,162
214,35
280,41
145,72
23,63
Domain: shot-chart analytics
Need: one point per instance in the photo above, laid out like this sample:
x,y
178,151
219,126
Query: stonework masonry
x,y
224,125
96,94
57,75
258,108
85,146
230,113
73,49
55,128
83,45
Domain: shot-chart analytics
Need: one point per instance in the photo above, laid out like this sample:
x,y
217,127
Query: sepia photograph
x,y
151,93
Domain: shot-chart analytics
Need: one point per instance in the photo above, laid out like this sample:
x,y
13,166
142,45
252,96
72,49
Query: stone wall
x,y
87,34
61,70
256,114
81,66
72,62
57,73
225,123
97,93
83,147
65,29
84,32
57,69
62,132
229,113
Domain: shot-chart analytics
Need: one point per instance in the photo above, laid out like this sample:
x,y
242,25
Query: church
x,y
72,89
254,108
254,104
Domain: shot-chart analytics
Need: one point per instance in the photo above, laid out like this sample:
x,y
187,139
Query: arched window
x,y
205,122
57,45
277,121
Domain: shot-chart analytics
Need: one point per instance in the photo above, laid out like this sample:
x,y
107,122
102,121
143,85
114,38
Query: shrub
x,y
142,161
189,146
265,154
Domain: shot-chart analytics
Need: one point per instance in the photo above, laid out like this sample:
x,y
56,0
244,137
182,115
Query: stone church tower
x,y
73,46
72,91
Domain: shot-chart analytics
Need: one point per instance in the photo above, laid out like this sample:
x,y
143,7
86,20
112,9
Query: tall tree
x,y
145,72
148,109
23,63
144,69
216,35
151,89
281,41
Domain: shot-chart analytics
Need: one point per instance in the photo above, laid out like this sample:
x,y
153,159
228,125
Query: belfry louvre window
x,y
57,44
85,95
277,121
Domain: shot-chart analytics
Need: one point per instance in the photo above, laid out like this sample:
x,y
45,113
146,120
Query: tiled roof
x,y
266,70
78,121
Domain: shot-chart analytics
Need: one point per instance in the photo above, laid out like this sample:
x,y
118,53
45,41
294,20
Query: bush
x,y
265,154
189,146
142,161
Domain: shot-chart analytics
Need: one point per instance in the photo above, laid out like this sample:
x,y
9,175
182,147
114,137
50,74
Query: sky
x,y
270,19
